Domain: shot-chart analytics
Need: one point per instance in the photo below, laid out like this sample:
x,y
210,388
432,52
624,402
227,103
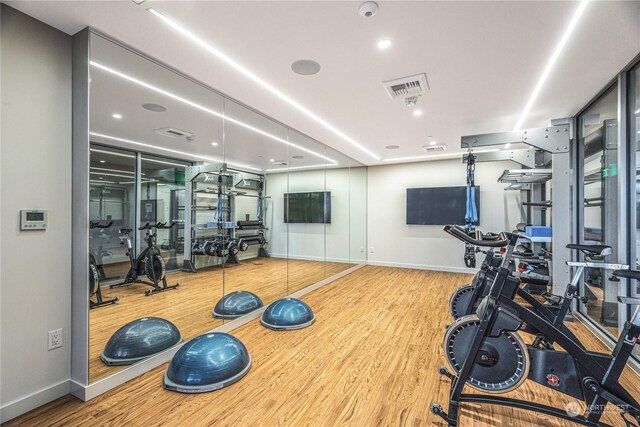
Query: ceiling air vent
x,y
408,88
174,133
434,148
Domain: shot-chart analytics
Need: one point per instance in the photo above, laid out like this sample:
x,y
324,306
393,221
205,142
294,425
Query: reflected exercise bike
x,y
95,276
148,263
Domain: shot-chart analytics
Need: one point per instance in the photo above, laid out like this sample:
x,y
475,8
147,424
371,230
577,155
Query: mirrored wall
x,y
191,188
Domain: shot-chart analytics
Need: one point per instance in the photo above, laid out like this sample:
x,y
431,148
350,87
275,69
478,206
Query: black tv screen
x,y
310,208
439,205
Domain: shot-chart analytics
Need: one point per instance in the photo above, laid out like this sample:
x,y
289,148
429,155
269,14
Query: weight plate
x,y
502,363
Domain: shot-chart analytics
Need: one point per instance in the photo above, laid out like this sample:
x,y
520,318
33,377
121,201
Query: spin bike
x,y
149,262
485,352
94,275
465,300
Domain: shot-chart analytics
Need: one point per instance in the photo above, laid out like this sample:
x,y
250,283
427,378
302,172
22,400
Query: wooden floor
x,y
189,306
370,359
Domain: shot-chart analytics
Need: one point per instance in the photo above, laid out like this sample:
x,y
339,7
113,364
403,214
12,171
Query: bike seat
x,y
125,230
629,274
600,250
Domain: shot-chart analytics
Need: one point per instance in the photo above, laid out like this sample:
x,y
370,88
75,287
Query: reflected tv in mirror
x,y
439,205
307,208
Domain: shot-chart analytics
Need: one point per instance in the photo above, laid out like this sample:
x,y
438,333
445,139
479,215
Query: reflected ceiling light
x,y
638,111
301,167
552,61
272,160
222,56
215,144
103,161
144,181
111,153
507,145
433,142
205,109
110,170
110,174
384,44
101,182
197,156
417,113
117,116
450,155
164,162
392,147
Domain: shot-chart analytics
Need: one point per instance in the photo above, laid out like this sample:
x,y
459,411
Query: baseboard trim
x,y
102,386
33,400
425,267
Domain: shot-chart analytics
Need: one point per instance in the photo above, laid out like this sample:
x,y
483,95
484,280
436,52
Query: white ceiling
x,y
482,59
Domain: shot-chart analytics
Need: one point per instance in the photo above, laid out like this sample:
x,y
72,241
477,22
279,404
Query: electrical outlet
x,y
362,249
371,249
55,339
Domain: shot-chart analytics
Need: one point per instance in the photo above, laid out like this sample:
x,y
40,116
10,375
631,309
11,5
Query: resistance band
x,y
471,215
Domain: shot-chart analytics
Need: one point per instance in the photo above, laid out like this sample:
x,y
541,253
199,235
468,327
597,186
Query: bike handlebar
x,y
159,225
460,234
96,224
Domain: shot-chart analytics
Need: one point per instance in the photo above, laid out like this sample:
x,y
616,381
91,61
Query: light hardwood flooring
x,y
189,306
370,359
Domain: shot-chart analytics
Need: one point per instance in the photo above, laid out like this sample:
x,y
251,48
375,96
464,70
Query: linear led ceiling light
x,y
552,61
247,73
112,153
182,153
300,167
203,108
433,156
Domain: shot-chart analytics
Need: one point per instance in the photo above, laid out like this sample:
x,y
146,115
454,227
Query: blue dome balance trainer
x,y
207,362
287,314
236,304
140,339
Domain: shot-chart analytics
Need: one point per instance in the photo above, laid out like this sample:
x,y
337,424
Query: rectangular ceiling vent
x,y
434,148
174,133
411,87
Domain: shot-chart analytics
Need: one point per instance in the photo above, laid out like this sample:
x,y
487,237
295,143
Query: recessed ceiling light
x,y
272,160
103,161
301,167
384,44
392,147
215,144
297,157
305,67
117,116
417,112
433,142
552,61
100,177
260,81
156,108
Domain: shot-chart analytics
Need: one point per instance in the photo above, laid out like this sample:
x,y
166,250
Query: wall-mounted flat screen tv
x,y
439,205
310,208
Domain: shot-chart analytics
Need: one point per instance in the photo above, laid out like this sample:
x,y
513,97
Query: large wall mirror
x,y
196,203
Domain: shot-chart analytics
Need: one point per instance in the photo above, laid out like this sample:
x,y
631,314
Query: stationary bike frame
x,y
599,373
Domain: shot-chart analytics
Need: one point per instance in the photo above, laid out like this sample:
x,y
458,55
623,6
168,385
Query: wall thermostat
x,y
33,219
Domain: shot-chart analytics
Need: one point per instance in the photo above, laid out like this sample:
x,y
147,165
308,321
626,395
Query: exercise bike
x,y
149,262
485,352
465,300
94,275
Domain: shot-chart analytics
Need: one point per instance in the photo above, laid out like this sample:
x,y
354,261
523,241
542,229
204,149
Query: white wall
x,y
35,172
309,241
393,242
